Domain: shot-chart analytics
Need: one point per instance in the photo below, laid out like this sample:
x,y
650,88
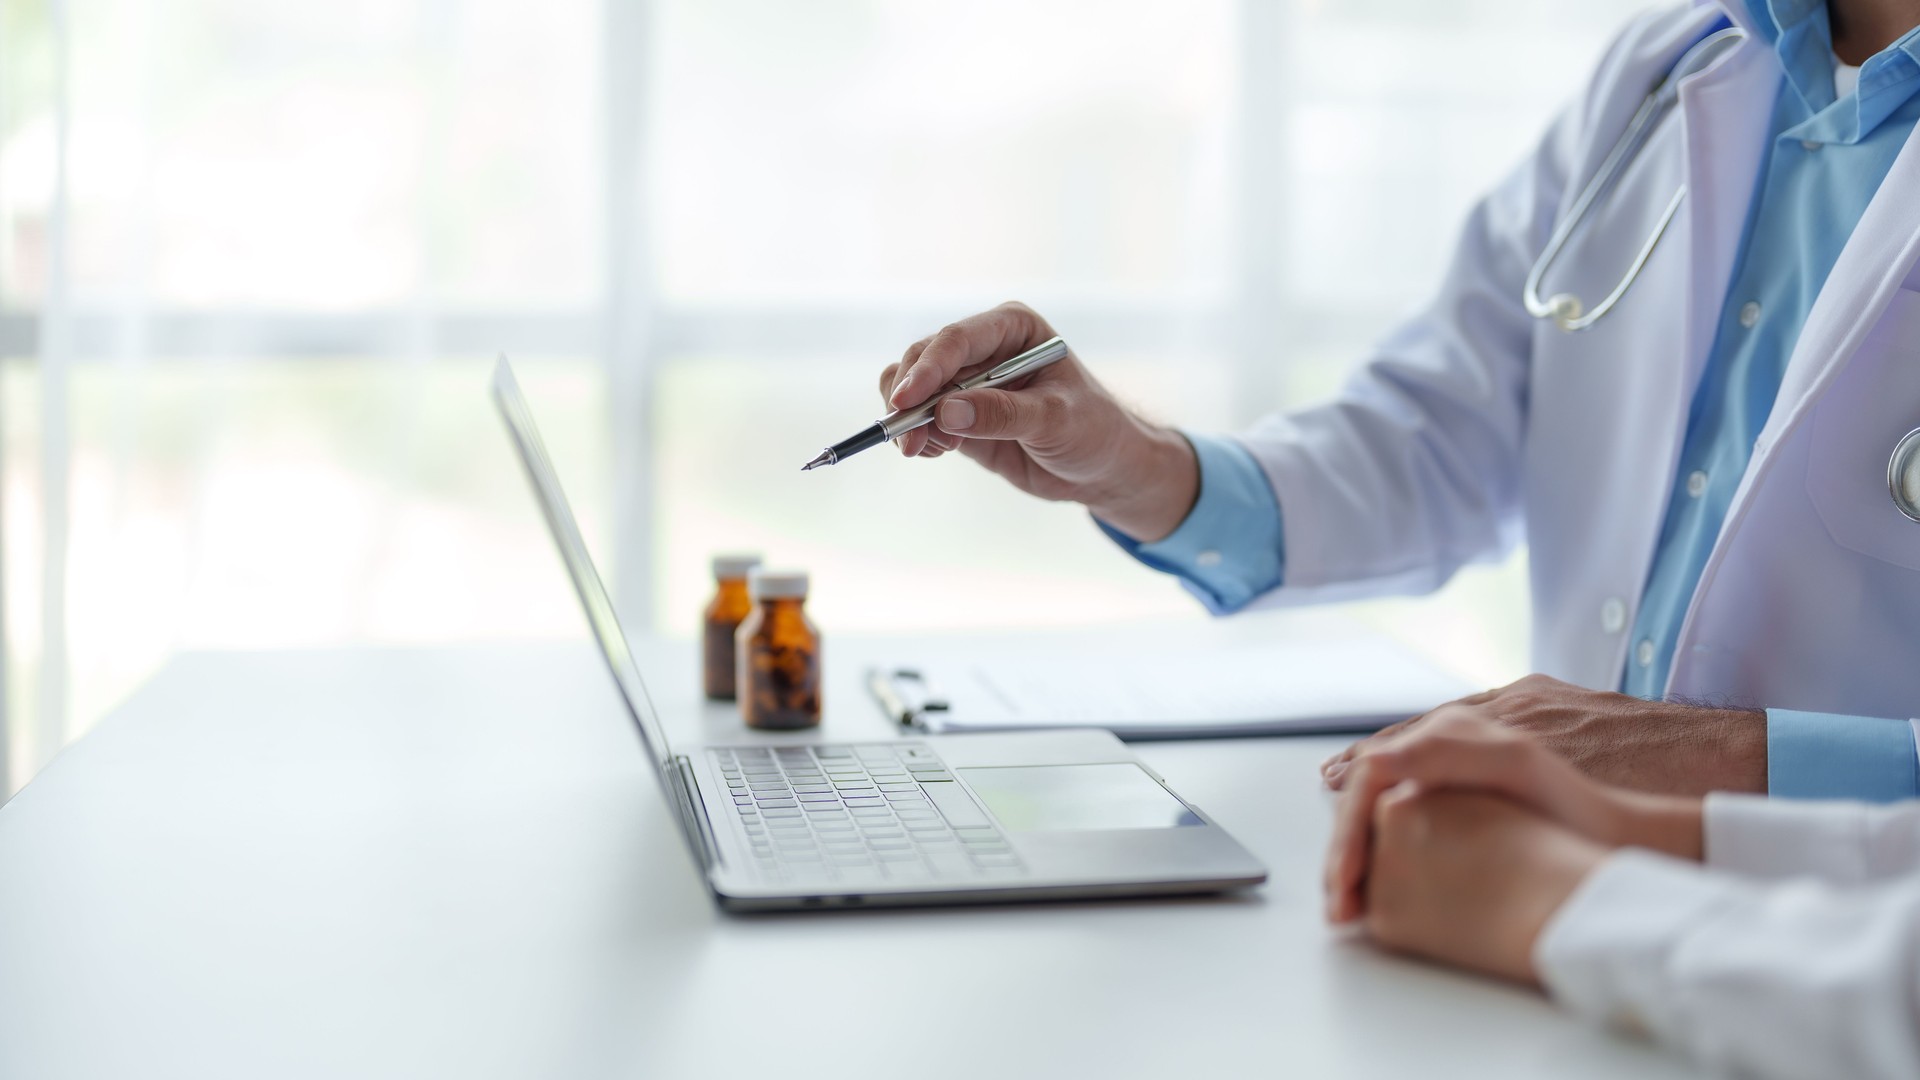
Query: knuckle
x,y
1391,815
989,414
950,336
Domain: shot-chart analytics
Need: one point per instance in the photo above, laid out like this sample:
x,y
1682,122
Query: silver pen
x,y
894,425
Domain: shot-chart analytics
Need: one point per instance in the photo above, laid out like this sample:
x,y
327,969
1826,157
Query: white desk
x,y
450,863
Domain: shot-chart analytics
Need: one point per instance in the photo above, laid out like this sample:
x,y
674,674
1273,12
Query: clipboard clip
x,y
906,695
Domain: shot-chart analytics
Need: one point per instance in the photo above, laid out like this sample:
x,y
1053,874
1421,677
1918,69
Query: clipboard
x,y
1343,684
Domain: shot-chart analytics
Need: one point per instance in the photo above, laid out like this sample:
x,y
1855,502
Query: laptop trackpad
x,y
1114,795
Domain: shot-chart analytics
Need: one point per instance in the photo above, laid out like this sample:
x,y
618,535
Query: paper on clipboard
x,y
1358,683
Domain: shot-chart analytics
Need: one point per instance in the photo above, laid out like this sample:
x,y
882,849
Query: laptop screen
x,y
573,551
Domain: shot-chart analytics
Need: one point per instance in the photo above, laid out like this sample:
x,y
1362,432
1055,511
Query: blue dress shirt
x,y
1826,160
1823,165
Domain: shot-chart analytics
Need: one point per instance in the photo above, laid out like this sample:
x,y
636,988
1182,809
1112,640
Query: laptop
x,y
945,819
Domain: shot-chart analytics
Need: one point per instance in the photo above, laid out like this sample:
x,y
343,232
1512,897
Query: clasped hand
x,y
1458,837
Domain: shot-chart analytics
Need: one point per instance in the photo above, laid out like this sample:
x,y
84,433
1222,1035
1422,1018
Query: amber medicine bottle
x,y
730,606
779,654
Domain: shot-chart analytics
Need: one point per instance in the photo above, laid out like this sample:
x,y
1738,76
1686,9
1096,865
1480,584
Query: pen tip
x,y
825,458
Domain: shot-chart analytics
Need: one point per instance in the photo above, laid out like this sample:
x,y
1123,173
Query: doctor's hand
x,y
1469,879
1059,434
1627,741
1456,750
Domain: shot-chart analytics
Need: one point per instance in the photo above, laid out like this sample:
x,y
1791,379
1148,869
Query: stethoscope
x,y
1570,314
1903,475
1565,309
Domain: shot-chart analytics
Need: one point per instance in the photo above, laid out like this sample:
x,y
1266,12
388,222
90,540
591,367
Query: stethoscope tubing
x,y
1566,309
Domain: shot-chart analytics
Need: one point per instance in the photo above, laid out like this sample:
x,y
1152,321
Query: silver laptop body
x,y
938,820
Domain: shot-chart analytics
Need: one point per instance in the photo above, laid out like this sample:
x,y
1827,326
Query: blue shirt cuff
x,y
1229,549
1826,756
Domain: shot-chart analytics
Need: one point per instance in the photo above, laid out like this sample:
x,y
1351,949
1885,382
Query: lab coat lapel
x,y
1876,258
1726,142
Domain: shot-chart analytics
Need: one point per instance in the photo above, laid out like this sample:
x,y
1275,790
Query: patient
x,y
1761,937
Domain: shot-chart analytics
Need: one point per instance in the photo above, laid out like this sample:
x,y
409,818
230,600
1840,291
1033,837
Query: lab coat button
x,y
1749,313
1613,615
1697,483
1644,653
1207,560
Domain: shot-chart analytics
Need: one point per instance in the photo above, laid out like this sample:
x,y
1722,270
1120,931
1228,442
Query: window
x,y
255,257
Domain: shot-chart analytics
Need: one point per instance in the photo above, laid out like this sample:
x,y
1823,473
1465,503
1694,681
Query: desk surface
x,y
450,862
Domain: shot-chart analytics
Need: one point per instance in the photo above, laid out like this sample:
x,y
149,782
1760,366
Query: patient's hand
x,y
1648,745
1470,879
1456,749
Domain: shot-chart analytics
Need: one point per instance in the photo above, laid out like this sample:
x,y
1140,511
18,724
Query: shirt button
x,y
1207,560
1644,653
1809,145
1696,483
1749,313
1613,615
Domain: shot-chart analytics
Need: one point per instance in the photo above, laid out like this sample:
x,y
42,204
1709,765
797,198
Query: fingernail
x,y
955,415
1334,772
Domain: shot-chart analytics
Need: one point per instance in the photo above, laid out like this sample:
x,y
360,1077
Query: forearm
x,y
1780,980
1837,842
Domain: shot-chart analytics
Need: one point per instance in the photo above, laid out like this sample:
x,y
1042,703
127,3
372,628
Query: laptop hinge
x,y
693,813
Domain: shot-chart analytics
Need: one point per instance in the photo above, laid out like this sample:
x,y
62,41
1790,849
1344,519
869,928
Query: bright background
x,y
256,255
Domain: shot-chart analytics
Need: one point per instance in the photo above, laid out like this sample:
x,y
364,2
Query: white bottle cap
x,y
734,564
777,584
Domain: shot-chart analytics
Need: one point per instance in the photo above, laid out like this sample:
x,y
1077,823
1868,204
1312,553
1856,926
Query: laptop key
x,y
956,806
949,864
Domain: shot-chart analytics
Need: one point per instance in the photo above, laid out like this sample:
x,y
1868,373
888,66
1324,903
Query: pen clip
x,y
1040,355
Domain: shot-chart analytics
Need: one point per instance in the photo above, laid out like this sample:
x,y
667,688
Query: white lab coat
x,y
1477,425
1801,958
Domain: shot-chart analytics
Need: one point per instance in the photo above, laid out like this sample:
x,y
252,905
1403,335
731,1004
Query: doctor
x,y
1701,474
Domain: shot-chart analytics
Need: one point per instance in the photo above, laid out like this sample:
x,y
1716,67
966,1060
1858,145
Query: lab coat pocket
x,y
1871,405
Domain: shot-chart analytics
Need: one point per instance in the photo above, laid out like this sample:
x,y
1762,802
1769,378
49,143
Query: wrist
x,y
1742,763
1153,485
1670,824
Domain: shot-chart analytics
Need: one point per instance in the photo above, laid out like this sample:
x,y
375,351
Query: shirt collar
x,y
1801,36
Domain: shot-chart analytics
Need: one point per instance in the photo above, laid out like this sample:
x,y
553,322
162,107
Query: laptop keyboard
x,y
880,813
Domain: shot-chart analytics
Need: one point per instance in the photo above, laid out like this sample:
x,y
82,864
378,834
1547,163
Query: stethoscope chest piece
x,y
1903,475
